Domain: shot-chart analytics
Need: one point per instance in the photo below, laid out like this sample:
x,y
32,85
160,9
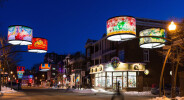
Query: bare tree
x,y
176,54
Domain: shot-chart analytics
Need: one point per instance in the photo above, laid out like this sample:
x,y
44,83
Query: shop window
x,y
146,55
96,80
102,81
109,79
124,79
132,79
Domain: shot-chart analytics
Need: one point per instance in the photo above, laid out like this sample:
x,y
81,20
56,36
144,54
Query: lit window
x,y
53,68
132,79
124,79
146,55
53,74
109,79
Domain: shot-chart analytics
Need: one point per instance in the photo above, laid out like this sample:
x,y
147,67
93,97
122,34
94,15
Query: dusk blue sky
x,y
67,24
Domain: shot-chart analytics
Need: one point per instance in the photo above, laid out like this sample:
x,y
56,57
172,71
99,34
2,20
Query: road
x,y
59,94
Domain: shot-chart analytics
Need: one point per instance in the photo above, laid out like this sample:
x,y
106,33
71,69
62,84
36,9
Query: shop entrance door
x,y
115,82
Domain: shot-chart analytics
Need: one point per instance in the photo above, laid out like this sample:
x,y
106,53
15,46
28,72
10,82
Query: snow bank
x,y
6,90
165,98
135,93
92,91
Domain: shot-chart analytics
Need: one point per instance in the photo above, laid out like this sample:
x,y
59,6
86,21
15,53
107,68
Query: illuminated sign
x,y
122,67
152,42
20,68
38,45
20,71
20,35
44,67
20,75
121,28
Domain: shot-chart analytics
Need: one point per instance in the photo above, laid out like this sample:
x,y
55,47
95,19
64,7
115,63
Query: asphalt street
x,y
61,94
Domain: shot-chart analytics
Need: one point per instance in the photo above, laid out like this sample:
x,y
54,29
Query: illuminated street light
x,y
171,73
172,26
11,72
146,72
43,75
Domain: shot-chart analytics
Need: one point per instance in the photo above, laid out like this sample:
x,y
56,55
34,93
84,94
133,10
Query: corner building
x,y
133,61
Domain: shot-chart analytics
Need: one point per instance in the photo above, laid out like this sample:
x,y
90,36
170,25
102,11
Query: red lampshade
x,y
39,45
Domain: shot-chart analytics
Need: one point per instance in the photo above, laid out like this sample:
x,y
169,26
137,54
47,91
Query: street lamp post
x,y
11,78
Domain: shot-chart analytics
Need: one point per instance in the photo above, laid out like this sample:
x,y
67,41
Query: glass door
x,y
115,82
119,79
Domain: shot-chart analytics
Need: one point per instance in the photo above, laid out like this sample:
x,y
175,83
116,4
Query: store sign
x,y
96,69
20,35
115,62
152,42
121,67
121,28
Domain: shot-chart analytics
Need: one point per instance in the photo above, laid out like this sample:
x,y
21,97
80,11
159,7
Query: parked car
x,y
167,89
15,85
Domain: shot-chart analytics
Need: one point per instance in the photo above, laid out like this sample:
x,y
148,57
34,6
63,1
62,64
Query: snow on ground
x,y
92,91
6,90
135,93
165,98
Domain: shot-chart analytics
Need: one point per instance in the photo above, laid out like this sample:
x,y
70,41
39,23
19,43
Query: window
x,y
124,79
109,79
53,74
88,52
146,55
121,55
132,79
53,68
103,79
96,80
88,65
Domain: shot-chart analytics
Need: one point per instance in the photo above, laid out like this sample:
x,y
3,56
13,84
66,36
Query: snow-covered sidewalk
x,y
6,90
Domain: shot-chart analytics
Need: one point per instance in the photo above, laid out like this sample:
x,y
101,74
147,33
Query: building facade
x,y
133,61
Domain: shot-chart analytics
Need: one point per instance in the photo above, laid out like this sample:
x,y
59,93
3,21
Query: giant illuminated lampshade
x,y
20,35
39,45
44,67
121,28
152,42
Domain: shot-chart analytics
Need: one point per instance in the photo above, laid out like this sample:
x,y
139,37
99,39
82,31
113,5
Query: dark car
x,y
167,89
15,85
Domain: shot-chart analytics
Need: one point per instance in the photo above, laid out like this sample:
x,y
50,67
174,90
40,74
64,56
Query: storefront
x,y
127,74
